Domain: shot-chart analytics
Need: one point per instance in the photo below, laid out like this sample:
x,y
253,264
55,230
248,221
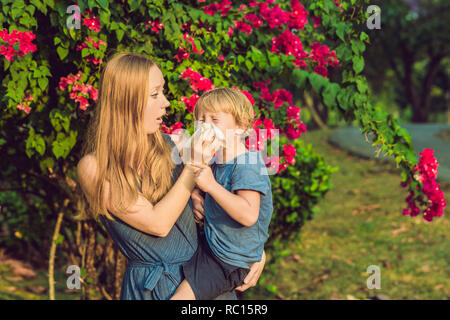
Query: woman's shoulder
x,y
168,138
87,171
87,164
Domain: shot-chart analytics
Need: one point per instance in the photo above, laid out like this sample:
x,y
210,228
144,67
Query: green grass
x,y
358,224
11,289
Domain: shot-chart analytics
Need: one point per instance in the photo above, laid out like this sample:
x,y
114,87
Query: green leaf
x,y
249,64
358,64
36,142
59,239
43,82
362,85
62,52
343,98
134,4
358,46
60,119
299,78
103,3
63,144
329,94
340,30
119,34
317,81
364,36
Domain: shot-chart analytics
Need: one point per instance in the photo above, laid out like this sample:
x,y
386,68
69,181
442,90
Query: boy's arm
x,y
242,207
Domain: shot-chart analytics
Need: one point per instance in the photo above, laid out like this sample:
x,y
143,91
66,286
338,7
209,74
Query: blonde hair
x,y
116,135
230,101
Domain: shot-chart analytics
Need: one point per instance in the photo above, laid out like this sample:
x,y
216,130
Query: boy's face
x,y
224,121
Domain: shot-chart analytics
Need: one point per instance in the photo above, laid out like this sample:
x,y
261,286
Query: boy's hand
x,y
198,203
204,177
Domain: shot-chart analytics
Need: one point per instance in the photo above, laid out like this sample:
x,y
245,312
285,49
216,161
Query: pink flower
x,y
323,57
192,40
190,102
92,22
221,57
243,27
197,81
8,52
28,97
273,163
156,25
289,44
24,108
298,16
83,102
94,60
173,129
254,20
22,38
247,94
93,92
182,54
223,7
274,16
316,21
295,129
293,112
426,173
289,153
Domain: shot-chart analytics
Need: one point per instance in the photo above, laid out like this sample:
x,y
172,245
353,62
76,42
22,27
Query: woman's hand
x,y
198,203
253,276
200,149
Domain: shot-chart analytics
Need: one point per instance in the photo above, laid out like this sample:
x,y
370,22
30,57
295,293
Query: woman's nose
x,y
166,104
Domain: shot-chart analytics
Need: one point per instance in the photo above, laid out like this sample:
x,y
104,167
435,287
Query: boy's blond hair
x,y
230,101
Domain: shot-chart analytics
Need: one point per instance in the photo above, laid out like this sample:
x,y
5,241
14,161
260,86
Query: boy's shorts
x,y
208,276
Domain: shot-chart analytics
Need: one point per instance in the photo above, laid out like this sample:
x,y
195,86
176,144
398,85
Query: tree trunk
x,y
433,67
309,102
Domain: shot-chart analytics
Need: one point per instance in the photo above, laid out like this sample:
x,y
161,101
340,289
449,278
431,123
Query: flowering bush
x,y
434,206
270,51
307,171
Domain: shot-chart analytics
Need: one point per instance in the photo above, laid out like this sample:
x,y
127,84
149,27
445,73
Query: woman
x,y
130,182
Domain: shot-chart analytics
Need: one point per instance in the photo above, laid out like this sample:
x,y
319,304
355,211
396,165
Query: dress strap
x,y
159,268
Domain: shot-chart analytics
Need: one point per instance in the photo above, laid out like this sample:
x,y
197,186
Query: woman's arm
x,y
159,219
253,276
142,215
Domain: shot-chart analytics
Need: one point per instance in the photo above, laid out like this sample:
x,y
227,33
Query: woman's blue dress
x,y
154,268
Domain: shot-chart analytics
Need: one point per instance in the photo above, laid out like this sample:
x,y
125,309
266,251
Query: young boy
x,y
238,202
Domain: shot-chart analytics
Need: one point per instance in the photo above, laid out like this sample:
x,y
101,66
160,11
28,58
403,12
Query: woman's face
x,y
157,102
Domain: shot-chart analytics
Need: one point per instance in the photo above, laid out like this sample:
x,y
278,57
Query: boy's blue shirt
x,y
230,241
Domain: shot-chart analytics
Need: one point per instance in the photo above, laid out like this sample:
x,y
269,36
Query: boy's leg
x,y
183,292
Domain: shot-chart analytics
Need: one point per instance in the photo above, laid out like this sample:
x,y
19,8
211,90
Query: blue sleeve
x,y
250,177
